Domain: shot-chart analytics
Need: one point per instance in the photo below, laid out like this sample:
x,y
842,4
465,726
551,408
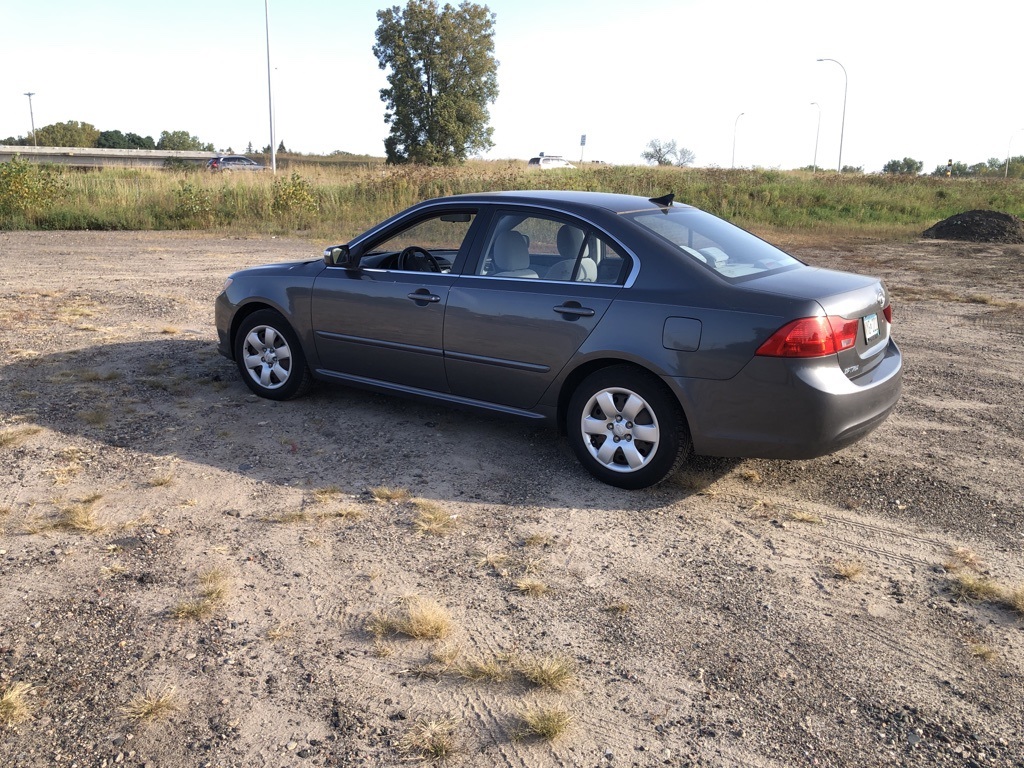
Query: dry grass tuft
x,y
492,560
484,670
433,741
432,518
280,631
751,476
341,513
9,438
160,480
213,590
802,516
1014,598
195,609
324,495
387,493
14,705
553,672
983,652
973,586
851,570
532,587
97,417
79,516
421,619
548,723
382,650
214,584
112,571
539,539
152,705
962,557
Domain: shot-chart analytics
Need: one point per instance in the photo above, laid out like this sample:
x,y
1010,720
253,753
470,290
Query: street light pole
x,y
734,127
270,93
842,129
32,117
1006,172
817,134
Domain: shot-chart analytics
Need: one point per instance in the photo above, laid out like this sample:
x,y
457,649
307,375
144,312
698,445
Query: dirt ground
x,y
190,575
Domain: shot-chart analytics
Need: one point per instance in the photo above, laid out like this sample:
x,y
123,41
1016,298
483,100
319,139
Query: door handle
x,y
574,310
416,296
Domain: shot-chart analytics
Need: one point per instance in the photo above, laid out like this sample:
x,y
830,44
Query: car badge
x,y
880,297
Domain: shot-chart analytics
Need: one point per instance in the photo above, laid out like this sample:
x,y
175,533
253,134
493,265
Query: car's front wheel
x,y
626,427
270,358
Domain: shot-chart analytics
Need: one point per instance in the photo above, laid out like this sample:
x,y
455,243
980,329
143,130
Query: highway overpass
x,y
91,157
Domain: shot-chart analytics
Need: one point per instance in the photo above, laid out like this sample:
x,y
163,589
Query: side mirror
x,y
340,256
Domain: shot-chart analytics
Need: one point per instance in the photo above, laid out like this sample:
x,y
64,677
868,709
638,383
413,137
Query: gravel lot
x,y
189,575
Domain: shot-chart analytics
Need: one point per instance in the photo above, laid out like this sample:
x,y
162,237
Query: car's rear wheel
x,y
270,358
626,427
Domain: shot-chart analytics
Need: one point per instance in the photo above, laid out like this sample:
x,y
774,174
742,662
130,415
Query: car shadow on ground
x,y
179,398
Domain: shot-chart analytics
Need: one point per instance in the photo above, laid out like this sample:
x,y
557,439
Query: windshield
x,y
717,244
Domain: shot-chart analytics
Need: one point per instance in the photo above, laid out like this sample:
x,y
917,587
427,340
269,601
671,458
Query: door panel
x,y
506,340
382,325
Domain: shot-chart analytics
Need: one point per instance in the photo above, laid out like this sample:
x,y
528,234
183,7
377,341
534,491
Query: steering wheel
x,y
411,259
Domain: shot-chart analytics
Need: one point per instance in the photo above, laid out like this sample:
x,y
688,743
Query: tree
x,y
908,166
118,140
182,140
685,156
667,153
443,76
69,134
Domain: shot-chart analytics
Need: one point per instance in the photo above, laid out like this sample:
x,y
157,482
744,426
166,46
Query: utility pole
x,y
32,117
270,93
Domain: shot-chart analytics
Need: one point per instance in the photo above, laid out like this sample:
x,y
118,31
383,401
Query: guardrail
x,y
91,157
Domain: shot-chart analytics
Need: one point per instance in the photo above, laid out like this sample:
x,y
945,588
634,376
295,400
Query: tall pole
x,y
734,127
842,129
270,93
1006,172
32,117
817,134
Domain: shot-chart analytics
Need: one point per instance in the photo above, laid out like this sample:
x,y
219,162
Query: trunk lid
x,y
856,299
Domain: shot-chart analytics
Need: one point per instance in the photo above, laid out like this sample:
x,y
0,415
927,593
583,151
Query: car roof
x,y
609,201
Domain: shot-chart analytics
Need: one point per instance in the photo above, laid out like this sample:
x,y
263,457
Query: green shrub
x,y
193,207
294,195
27,188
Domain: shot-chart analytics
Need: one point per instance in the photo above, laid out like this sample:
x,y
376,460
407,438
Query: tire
x,y
626,428
270,358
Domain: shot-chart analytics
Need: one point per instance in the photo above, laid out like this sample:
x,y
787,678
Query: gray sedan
x,y
646,330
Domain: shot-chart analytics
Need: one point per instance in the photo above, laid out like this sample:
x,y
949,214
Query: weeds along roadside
x,y
335,203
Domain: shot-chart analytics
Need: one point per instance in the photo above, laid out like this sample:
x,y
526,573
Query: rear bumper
x,y
778,408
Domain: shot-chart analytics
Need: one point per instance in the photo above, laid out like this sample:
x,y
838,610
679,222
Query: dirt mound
x,y
979,227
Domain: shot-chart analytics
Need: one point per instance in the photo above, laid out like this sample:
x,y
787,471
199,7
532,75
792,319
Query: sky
x,y
735,81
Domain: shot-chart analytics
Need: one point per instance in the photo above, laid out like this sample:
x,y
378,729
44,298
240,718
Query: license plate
x,y
870,327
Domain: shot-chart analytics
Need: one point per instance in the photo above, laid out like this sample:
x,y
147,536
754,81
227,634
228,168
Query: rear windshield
x,y
712,242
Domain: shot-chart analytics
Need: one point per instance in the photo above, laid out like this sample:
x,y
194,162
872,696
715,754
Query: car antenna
x,y
665,201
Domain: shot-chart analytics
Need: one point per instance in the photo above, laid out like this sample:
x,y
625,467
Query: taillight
x,y
888,314
812,337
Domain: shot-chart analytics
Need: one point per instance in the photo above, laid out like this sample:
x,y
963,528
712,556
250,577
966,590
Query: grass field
x,y
338,201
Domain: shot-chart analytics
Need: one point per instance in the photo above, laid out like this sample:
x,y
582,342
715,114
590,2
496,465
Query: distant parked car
x,y
547,162
644,329
234,163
